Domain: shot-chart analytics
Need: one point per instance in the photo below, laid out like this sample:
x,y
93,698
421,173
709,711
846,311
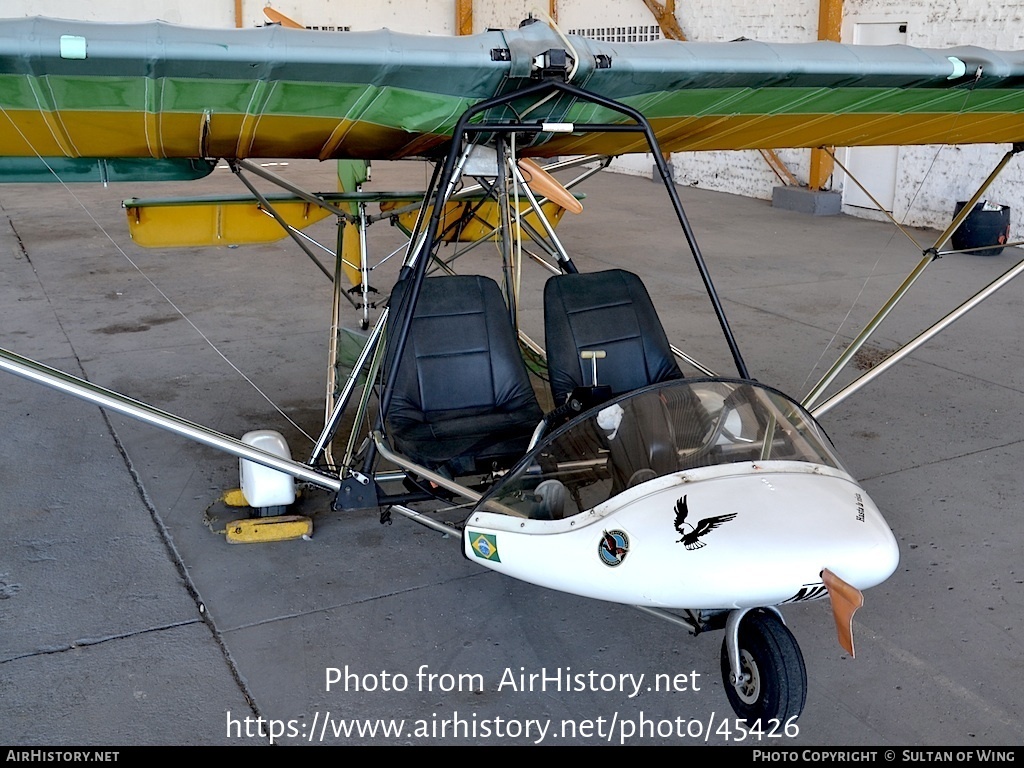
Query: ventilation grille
x,y
640,34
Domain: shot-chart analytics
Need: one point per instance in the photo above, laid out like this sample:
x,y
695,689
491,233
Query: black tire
x,y
770,654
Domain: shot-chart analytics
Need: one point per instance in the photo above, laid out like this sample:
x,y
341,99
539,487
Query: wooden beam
x,y
463,17
830,20
665,15
781,170
830,27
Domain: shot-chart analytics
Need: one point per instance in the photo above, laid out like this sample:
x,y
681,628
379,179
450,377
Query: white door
x,y
874,167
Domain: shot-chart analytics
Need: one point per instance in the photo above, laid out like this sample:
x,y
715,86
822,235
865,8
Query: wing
x,y
681,512
709,524
80,90
705,526
608,542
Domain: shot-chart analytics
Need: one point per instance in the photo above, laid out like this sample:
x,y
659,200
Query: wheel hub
x,y
749,686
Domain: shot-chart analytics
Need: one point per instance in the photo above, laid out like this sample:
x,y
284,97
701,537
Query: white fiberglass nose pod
x,y
719,497
698,477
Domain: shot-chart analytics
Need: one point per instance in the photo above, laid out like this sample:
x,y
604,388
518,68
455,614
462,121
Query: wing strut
x,y
265,204
872,198
114,401
919,340
929,255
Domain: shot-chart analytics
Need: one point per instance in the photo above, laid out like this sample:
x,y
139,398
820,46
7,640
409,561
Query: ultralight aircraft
x,y
708,500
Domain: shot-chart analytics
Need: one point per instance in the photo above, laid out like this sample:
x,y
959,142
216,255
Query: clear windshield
x,y
656,431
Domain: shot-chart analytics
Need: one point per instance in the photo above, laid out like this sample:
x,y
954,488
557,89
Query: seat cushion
x,y
609,311
462,392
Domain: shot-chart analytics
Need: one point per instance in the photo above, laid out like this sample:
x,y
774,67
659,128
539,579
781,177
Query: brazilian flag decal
x,y
485,546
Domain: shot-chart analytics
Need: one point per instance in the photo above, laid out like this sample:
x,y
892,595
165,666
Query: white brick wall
x,y
777,21
930,179
774,21
415,16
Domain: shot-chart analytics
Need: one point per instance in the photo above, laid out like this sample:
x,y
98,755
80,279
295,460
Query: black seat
x,y
612,312
609,311
463,400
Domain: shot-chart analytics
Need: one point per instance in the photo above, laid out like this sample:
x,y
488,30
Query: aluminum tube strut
x,y
536,207
297,191
363,404
332,349
364,267
967,209
919,340
442,188
872,198
561,256
300,233
930,255
105,398
816,392
417,235
1014,244
671,618
284,224
423,472
692,361
530,344
542,261
346,393
505,222
429,522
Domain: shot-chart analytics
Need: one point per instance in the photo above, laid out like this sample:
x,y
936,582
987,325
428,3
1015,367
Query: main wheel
x,y
776,684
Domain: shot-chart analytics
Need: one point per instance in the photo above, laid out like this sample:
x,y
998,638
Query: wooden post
x,y
830,26
665,15
463,17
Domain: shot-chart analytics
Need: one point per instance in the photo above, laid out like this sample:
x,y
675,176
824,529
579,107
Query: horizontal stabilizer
x,y
194,223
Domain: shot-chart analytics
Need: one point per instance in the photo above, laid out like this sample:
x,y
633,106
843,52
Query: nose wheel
x,y
772,682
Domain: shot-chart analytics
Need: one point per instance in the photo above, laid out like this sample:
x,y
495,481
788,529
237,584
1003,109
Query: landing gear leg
x,y
773,678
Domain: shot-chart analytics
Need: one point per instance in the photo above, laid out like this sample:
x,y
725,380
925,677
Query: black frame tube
x,y
463,128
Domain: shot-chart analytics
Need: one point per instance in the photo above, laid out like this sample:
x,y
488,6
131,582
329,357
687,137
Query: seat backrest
x,y
609,311
462,384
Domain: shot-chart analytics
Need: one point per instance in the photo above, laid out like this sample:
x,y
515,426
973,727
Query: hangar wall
x,y
928,180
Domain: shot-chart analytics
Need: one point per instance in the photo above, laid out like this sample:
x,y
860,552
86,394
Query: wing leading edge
x,y
83,90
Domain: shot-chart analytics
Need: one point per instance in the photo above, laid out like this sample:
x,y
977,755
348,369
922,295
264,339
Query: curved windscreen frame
x,y
656,431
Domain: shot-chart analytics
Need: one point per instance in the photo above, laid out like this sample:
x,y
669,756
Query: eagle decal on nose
x,y
691,539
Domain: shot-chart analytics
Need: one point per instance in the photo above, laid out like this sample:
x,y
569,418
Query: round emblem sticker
x,y
613,548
